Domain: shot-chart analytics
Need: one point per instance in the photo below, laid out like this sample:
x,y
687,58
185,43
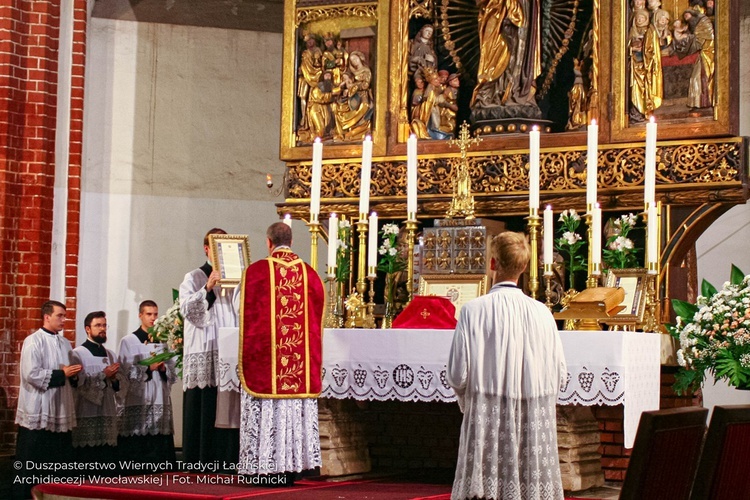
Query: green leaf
x,y
736,275
163,356
672,330
175,294
683,309
731,369
707,289
687,381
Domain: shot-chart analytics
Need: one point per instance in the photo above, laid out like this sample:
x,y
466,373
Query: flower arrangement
x,y
620,252
344,251
168,329
714,335
570,242
391,261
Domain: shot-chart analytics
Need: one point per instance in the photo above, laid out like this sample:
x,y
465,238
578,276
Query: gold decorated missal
x,y
594,303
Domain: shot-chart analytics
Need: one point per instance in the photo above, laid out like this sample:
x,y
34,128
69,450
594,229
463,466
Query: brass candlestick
x,y
533,223
411,228
593,270
370,318
548,285
650,320
314,227
331,321
356,305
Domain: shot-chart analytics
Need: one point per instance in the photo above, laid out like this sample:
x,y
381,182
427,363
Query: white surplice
x,y
278,435
201,331
506,364
146,401
41,407
96,403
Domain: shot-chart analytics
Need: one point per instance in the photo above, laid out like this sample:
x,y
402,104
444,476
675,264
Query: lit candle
x,y
364,191
649,182
372,245
333,243
596,239
592,157
548,233
534,168
288,220
317,172
411,177
652,238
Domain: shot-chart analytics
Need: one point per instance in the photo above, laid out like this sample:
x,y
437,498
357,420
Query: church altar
x,y
604,368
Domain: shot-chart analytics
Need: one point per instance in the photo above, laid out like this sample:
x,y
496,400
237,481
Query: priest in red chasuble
x,y
282,302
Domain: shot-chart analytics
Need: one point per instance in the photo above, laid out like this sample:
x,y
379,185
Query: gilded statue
x,y
577,113
320,117
425,122
354,109
448,105
421,53
646,79
697,36
310,69
510,55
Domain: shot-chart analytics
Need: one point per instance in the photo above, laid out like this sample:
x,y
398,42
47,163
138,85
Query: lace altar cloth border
x,y
604,368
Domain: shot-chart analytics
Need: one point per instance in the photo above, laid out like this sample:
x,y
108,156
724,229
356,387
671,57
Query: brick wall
x,y
29,48
615,457
412,435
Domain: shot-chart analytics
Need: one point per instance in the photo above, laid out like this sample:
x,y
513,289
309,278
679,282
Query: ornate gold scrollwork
x,y
712,170
310,14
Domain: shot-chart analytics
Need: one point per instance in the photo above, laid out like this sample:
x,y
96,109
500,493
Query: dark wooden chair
x,y
724,468
665,454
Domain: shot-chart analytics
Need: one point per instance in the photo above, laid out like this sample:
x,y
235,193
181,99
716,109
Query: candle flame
x,y
652,119
593,121
368,138
374,213
535,128
549,207
317,139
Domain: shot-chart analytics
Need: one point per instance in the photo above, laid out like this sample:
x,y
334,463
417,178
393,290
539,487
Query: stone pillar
x,y
578,444
343,438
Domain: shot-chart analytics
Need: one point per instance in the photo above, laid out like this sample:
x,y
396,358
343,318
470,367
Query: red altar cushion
x,y
427,312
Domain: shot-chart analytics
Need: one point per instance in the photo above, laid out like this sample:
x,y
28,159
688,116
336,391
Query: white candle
x,y
317,172
652,238
411,177
592,158
288,220
534,168
596,238
364,192
372,244
649,182
548,237
333,243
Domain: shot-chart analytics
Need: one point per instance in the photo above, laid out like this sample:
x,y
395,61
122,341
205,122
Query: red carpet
x,y
226,487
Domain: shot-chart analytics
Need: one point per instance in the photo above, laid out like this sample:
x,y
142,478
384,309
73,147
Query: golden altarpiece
x,y
391,68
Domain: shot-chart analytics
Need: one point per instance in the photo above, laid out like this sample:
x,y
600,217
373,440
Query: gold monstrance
x,y
462,204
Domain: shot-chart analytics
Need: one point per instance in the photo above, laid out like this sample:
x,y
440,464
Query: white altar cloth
x,y
604,368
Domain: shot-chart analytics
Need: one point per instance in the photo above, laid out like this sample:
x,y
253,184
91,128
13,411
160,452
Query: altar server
x,y
95,435
46,407
210,418
146,422
505,365
281,317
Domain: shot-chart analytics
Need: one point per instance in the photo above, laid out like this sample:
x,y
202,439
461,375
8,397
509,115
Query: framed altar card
x,y
458,288
634,282
230,255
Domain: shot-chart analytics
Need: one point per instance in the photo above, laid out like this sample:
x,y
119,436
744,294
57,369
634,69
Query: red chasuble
x,y
281,320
